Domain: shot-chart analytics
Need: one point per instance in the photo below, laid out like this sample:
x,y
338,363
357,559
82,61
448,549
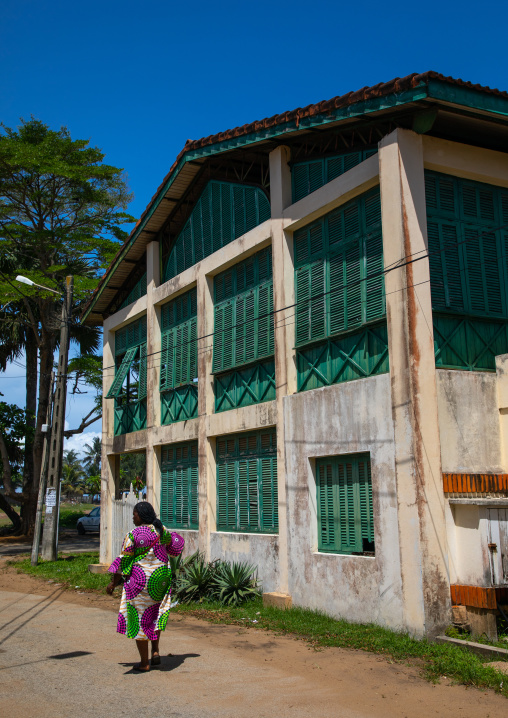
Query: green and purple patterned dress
x,y
144,566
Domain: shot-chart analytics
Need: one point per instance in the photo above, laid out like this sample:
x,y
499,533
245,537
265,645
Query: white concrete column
x,y
421,520
110,475
206,399
153,400
285,367
502,405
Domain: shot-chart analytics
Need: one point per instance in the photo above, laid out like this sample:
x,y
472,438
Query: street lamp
x,y
25,280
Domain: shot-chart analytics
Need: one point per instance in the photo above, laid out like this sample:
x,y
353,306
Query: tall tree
x,y
61,212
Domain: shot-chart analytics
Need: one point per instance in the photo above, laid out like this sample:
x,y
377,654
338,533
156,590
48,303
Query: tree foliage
x,y
61,212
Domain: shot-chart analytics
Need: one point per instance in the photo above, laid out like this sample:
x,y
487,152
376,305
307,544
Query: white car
x,y
92,522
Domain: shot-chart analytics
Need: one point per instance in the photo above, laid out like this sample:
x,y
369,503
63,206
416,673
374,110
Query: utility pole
x,y
50,534
43,477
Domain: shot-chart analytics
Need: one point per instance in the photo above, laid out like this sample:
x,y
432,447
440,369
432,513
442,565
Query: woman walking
x,y
144,569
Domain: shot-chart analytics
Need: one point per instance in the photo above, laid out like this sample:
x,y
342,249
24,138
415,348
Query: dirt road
x,y
60,657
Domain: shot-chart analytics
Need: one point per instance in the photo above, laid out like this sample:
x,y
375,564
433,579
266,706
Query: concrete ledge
x,y
98,567
479,648
279,600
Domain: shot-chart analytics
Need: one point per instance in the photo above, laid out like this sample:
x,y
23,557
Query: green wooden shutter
x,y
345,506
122,372
223,212
269,492
243,311
166,374
310,288
179,485
247,482
142,372
327,517
265,322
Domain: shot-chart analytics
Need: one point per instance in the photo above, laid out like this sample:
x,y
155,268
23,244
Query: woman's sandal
x,y
156,660
137,667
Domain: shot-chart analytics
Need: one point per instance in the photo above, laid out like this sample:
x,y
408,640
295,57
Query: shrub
x,y
235,583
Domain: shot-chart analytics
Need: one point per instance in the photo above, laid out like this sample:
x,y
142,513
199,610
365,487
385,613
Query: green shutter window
x,y
468,271
223,212
247,482
339,288
179,486
142,372
179,358
310,175
243,331
122,372
344,501
130,401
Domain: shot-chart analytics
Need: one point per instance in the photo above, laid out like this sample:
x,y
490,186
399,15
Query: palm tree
x,y
72,474
93,455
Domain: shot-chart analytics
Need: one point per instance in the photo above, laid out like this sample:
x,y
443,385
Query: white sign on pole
x,y
50,500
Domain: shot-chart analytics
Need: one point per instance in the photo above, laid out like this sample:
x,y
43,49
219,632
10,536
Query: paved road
x,y
59,660
71,542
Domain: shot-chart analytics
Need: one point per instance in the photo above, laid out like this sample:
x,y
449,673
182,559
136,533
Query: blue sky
x,y
138,79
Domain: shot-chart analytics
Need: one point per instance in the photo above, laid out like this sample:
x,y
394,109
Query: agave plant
x,y
234,583
195,580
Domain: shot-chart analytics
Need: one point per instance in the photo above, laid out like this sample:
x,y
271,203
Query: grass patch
x,y
70,513
69,570
453,632
318,629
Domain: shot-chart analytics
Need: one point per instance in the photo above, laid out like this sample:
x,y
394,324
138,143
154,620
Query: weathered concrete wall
x,y
261,550
343,419
468,422
191,541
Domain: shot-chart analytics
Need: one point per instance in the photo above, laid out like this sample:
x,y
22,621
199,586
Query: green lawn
x,y
318,629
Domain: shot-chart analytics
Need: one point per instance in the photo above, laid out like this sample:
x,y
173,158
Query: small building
x,y
307,334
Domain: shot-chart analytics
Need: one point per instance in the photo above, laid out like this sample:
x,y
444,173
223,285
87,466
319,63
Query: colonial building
x,y
307,333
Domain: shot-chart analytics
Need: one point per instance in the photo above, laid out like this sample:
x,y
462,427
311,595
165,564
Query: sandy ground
x,y
60,657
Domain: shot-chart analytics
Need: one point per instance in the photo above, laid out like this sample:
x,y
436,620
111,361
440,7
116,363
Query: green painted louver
x,y
467,343
332,256
247,482
130,336
468,252
223,212
138,291
243,331
344,504
179,404
179,486
122,372
130,417
130,401
242,387
179,341
344,358
310,175
468,248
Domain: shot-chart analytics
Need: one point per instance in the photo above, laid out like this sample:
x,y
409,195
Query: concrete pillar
x,y
206,398
110,480
153,331
502,405
285,368
421,520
